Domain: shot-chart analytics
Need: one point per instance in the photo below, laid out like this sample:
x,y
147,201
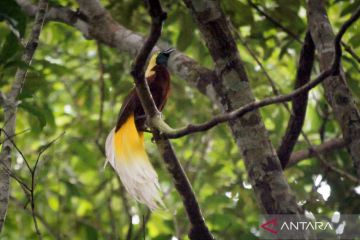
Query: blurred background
x,y
71,79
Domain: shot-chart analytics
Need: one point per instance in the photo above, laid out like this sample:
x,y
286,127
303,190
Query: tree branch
x,y
19,205
198,229
158,16
10,108
312,149
299,103
274,21
234,91
326,147
293,35
333,71
105,30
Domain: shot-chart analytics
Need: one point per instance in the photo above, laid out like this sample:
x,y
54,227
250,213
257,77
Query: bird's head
x,y
158,58
163,56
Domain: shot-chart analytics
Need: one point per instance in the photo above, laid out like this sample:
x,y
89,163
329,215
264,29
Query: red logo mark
x,y
270,225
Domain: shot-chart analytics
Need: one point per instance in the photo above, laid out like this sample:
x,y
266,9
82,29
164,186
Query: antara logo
x,y
306,226
271,226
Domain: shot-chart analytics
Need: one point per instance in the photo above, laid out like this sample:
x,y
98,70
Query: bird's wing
x,y
130,104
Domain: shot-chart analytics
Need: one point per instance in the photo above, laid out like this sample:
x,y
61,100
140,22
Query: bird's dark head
x,y
163,56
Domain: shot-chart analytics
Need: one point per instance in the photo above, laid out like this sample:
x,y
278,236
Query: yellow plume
x,y
126,153
151,65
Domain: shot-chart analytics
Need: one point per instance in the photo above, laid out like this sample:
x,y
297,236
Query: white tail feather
x,y
134,169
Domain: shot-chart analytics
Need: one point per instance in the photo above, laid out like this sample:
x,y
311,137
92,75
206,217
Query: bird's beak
x,y
169,51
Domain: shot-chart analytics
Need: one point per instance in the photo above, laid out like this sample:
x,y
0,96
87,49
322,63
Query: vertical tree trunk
x,y
337,92
233,91
10,107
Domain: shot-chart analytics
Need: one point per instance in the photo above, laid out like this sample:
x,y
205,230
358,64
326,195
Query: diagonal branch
x,y
105,30
275,21
333,71
234,91
198,229
158,16
305,65
326,147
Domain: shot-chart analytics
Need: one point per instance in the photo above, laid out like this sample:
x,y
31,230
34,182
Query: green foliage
x,y
78,199
12,14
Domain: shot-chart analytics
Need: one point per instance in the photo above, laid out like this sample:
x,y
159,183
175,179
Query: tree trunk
x,y
233,91
337,92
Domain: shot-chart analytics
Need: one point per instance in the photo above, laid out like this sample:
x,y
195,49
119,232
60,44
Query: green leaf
x,y
11,12
350,8
35,111
233,7
49,115
34,82
90,232
9,48
355,40
186,33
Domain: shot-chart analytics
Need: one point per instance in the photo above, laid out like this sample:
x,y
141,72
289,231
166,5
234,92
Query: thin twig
x,y
328,165
275,22
14,135
278,24
47,225
16,147
351,51
33,174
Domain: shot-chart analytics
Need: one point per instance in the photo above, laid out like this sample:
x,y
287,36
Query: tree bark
x,y
233,91
325,148
299,103
337,92
10,107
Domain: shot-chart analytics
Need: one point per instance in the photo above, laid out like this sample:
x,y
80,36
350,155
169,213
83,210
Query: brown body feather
x,y
159,84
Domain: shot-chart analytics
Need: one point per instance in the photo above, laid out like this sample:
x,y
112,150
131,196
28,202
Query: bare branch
x,y
326,147
158,16
274,21
293,35
46,224
299,103
198,229
334,70
105,30
234,91
351,51
315,151
9,138
58,13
